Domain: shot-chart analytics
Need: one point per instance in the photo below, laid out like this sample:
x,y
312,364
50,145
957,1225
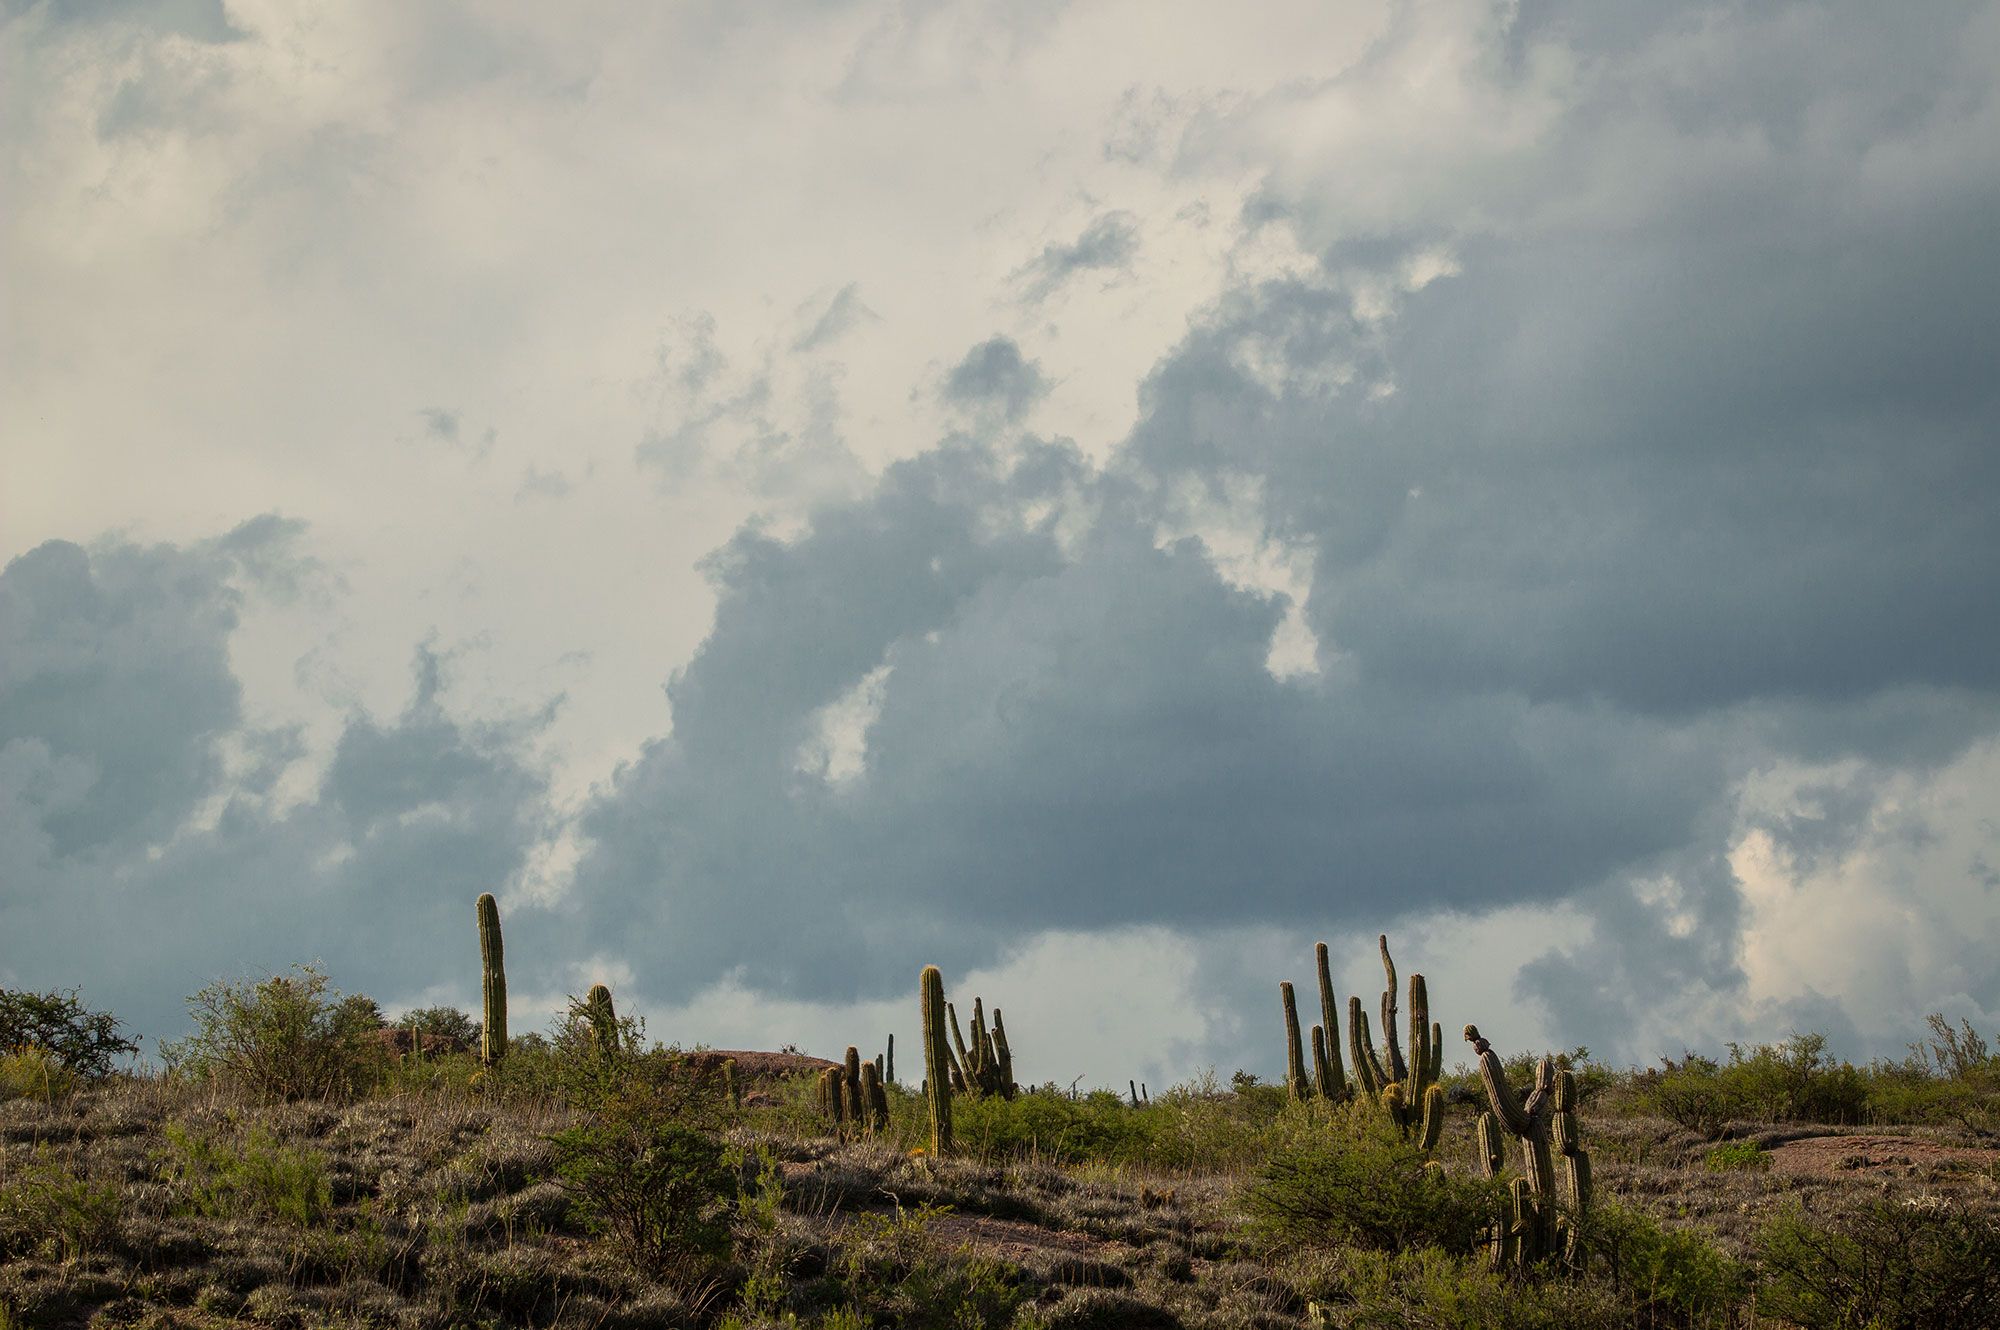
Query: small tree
x,y
291,1036
82,1041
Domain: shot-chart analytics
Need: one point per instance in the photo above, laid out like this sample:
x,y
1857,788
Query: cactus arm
x,y
1003,1056
492,982
1295,1067
1393,1069
1437,1053
1361,1051
1433,1119
1498,1093
960,1063
1491,1155
1420,1037
1322,1074
1329,1015
937,1060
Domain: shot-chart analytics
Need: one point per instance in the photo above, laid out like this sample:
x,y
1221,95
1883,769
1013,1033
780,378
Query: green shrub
x,y
1914,1262
1796,1082
890,1270
1346,1177
448,1023
49,1210
80,1040
291,1036
256,1176
1737,1156
1693,1096
1664,1276
654,1182
29,1072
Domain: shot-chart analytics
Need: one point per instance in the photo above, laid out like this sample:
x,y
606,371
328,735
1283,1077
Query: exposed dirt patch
x,y
1831,1156
1016,1241
756,1066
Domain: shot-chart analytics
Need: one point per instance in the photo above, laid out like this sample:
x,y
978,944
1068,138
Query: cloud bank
x,y
1560,525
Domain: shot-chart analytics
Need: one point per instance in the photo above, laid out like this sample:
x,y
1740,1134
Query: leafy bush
x,y
447,1023
48,1210
291,1036
1915,1262
654,1181
1664,1276
890,1270
1737,1156
1693,1096
82,1041
33,1073
1347,1177
258,1176
1797,1082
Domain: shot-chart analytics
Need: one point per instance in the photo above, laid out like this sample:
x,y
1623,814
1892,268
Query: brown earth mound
x,y
1824,1156
754,1066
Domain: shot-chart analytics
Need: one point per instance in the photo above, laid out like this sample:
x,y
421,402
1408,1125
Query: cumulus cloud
x,y
148,842
1522,475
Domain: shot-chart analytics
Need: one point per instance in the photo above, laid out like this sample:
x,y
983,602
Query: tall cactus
x,y
874,1099
1295,1066
492,982
889,1061
852,1082
937,1058
603,1021
1329,1076
1406,1087
1548,1210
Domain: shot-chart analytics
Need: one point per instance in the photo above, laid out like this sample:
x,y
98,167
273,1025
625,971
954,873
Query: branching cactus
x,y
603,1021
1553,1194
492,982
937,1058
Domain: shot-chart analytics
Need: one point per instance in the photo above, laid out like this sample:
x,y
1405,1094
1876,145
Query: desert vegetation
x,y
304,1160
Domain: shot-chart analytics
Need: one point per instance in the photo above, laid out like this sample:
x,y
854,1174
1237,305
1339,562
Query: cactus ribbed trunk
x,y
603,1021
937,1057
1548,1211
1334,1081
1295,1063
889,1062
874,1100
492,982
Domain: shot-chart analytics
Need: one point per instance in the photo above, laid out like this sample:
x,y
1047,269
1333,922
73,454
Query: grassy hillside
x,y
303,1168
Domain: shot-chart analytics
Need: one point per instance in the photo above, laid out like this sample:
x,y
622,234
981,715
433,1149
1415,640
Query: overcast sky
x,y
1094,495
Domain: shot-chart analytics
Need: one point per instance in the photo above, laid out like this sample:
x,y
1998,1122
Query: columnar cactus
x,y
831,1094
1329,1077
851,1081
603,1021
937,1057
1003,1057
1548,1211
874,1099
492,982
889,1061
1408,1089
1295,1066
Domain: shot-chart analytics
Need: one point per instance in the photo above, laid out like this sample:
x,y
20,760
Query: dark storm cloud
x,y
1642,499
1107,244
144,861
995,375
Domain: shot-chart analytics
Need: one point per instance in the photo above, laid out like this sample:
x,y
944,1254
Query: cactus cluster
x,y
1548,1200
492,983
985,1066
1407,1088
851,1095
